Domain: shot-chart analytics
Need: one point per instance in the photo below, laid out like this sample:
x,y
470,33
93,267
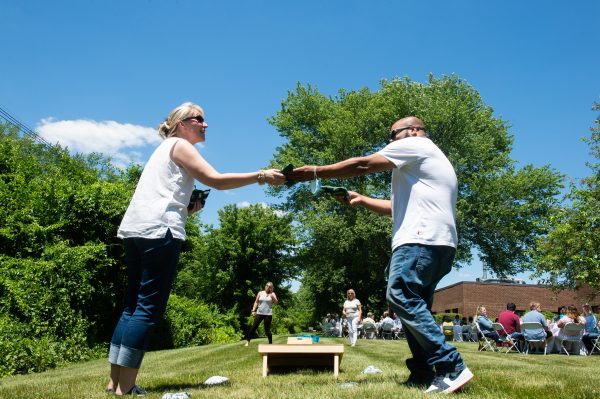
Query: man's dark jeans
x,y
415,270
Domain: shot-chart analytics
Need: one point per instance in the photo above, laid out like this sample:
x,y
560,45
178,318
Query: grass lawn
x,y
497,375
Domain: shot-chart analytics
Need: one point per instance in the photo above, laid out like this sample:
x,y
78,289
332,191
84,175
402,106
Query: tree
x,y
228,265
570,253
500,210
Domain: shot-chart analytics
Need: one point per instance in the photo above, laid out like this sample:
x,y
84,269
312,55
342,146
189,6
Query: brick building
x,y
464,297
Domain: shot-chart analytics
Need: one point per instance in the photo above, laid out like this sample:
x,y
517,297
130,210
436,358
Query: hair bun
x,y
163,129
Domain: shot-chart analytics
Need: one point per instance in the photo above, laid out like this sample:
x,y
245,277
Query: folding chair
x,y
485,343
596,345
387,330
572,333
398,333
467,333
329,330
529,342
369,330
506,339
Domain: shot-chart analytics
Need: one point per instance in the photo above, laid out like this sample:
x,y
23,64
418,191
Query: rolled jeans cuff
x,y
125,357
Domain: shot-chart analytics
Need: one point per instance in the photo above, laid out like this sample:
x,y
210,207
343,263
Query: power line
x,y
22,127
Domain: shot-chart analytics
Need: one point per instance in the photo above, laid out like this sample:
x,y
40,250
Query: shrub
x,y
47,307
188,322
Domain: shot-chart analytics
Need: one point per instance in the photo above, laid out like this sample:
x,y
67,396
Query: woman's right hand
x,y
274,177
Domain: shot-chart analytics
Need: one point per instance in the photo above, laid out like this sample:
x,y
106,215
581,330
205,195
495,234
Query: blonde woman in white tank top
x,y
153,230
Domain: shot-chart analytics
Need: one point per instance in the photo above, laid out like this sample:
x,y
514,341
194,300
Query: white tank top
x,y
160,199
265,304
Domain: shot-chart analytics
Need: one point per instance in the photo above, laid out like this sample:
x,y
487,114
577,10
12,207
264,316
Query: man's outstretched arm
x,y
382,207
349,168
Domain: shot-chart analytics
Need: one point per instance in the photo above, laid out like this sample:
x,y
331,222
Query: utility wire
x,y
22,127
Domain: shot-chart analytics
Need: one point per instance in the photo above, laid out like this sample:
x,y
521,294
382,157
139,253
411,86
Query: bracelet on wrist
x,y
261,177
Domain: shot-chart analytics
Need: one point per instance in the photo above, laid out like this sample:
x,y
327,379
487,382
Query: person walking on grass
x,y
352,312
424,240
153,231
263,310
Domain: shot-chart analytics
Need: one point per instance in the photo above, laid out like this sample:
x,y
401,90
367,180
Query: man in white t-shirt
x,y
424,241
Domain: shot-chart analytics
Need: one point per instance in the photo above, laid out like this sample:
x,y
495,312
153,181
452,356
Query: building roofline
x,y
494,283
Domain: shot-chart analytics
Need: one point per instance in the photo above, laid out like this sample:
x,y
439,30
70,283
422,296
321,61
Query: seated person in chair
x,y
485,324
328,325
369,319
590,332
511,323
448,328
535,315
560,334
369,324
387,320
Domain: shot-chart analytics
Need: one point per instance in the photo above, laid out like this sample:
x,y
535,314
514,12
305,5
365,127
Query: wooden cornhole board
x,y
300,356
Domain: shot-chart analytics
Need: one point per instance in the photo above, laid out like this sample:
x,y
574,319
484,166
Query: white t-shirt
x,y
424,189
351,308
161,198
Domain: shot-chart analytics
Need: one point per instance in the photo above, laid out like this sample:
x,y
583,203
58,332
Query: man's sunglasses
x,y
397,131
198,119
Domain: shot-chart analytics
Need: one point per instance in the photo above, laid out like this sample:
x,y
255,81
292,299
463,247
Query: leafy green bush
x,y
188,322
22,350
47,307
439,317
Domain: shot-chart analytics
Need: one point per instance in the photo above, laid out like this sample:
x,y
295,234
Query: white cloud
x,y
124,142
243,204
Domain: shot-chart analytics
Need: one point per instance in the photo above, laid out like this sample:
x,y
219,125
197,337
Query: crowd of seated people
x,y
553,335
389,325
552,331
332,326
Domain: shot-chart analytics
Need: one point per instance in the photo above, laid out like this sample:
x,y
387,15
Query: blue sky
x,y
100,75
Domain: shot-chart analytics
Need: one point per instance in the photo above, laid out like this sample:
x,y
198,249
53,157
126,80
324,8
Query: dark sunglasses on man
x,y
396,132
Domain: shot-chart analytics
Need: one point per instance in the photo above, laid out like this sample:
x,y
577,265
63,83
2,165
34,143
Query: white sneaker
x,y
246,344
450,382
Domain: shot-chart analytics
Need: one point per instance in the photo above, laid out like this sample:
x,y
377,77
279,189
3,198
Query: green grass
x,y
497,375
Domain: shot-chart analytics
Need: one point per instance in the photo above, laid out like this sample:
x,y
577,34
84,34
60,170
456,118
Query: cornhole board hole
x,y
293,356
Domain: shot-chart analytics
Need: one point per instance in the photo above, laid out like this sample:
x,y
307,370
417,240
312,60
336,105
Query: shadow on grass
x,y
182,387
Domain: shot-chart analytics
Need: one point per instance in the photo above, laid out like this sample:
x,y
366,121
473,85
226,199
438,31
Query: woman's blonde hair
x,y
186,110
479,307
351,291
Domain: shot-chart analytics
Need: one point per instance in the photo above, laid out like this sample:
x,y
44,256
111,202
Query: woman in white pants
x,y
352,311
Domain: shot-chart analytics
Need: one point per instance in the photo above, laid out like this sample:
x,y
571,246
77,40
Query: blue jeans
x,y
151,267
414,272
